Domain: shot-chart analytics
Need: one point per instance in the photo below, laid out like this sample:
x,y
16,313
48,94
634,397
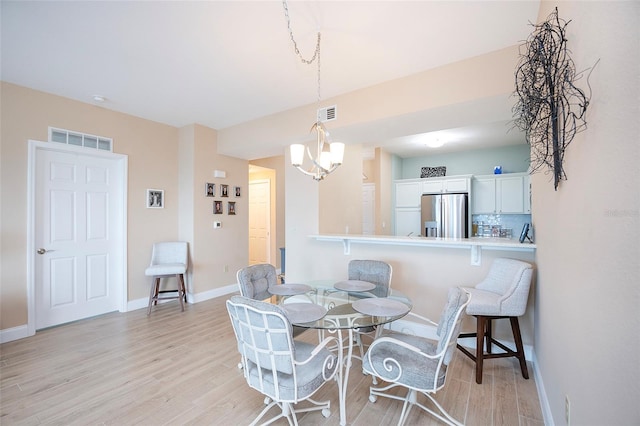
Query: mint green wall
x,y
513,159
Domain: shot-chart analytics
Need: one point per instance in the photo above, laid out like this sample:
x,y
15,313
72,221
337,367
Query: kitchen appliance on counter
x,y
445,215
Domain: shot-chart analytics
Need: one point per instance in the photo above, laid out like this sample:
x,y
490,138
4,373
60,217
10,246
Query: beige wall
x,y
341,195
588,232
218,253
384,181
155,161
383,106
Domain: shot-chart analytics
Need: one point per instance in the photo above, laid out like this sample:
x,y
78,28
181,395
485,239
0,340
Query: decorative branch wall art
x,y
550,108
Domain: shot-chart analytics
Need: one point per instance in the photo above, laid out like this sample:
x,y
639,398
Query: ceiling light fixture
x,y
434,143
326,156
98,98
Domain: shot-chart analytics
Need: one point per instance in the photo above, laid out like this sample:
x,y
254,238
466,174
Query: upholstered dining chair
x,y
374,271
285,370
255,280
502,294
417,363
168,259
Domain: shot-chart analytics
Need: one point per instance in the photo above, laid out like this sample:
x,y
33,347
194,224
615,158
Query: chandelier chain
x,y
316,53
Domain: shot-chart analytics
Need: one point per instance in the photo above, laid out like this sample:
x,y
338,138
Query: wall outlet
x,y
226,268
567,409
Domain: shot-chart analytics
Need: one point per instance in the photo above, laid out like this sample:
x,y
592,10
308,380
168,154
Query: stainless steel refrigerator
x,y
445,215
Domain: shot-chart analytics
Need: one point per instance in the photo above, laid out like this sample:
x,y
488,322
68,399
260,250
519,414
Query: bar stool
x,y
502,294
168,259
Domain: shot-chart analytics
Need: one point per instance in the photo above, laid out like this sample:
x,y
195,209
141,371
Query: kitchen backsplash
x,y
513,222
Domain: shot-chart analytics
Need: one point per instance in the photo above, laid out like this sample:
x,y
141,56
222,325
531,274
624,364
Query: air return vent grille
x,y
80,139
327,114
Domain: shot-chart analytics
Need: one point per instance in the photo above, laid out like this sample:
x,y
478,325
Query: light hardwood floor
x,y
180,368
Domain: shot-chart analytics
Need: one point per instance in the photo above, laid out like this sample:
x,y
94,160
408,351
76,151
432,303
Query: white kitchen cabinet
x,y
484,195
501,194
457,184
408,194
408,222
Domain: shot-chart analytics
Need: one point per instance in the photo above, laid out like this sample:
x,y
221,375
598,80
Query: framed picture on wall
x,y
210,189
217,207
237,190
232,207
224,190
155,198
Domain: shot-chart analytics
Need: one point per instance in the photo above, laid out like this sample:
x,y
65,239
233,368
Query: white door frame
x,y
33,148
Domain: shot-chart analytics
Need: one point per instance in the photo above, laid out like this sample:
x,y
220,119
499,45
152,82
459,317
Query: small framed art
x,y
237,190
232,207
224,190
155,198
217,207
210,189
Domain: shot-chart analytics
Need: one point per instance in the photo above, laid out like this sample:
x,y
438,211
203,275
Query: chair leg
x,y
184,288
515,327
488,335
481,330
181,292
153,294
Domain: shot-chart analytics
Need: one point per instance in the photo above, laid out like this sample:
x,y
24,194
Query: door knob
x,y
41,251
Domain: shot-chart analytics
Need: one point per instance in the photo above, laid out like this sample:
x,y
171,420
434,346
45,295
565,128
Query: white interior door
x,y
259,222
368,209
78,236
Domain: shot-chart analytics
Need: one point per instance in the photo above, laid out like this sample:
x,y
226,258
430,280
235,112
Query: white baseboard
x,y
15,333
21,331
542,394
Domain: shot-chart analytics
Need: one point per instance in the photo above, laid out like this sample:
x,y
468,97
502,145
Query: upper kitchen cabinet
x,y
501,194
408,193
444,184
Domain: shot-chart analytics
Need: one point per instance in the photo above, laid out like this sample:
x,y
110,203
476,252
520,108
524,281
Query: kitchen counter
x,y
475,245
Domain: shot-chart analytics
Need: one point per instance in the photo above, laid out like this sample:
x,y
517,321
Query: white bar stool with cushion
x,y
168,259
502,294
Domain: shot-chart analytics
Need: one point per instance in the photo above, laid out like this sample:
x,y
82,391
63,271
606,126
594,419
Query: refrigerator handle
x,y
440,201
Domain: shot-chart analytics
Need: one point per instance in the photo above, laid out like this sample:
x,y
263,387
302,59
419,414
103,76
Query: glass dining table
x,y
344,308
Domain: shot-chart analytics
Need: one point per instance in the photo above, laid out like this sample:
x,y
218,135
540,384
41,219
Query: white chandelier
x,y
325,156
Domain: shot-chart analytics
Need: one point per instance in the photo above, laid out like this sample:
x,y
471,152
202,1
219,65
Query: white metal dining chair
x,y
168,259
417,363
285,370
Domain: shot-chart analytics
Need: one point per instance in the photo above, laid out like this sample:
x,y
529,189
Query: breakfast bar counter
x,y
475,245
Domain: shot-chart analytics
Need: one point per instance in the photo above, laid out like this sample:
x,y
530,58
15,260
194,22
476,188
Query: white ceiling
x,y
221,63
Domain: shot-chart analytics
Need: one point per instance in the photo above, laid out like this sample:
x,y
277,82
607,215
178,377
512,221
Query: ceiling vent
x,y
327,114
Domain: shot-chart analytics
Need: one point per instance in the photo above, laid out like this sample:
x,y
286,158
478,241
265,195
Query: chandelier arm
x,y
315,175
